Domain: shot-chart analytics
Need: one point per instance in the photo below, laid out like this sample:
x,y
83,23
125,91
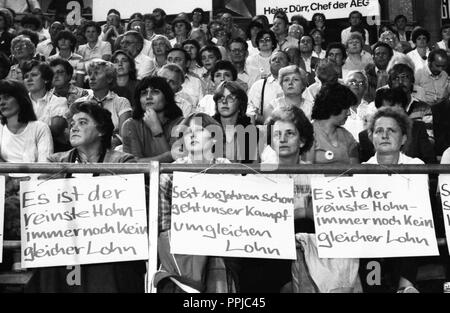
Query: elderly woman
x,y
66,44
421,38
22,49
267,43
359,113
293,80
189,273
161,46
50,109
148,135
102,78
126,80
389,130
332,142
357,58
91,130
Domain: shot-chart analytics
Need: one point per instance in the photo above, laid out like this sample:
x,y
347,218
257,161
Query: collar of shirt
x,y
45,99
109,96
97,45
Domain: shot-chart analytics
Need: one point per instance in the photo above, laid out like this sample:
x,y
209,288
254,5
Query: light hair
x,y
293,69
175,68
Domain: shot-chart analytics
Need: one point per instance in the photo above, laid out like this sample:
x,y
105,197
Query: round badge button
x,y
329,155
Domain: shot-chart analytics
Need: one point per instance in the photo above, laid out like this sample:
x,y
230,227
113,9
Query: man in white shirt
x,y
355,19
238,55
264,91
133,42
46,47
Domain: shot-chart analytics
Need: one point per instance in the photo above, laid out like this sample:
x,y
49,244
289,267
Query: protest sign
x,y
2,213
368,216
83,220
333,9
444,188
232,216
126,8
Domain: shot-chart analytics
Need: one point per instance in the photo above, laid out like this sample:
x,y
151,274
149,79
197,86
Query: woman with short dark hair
x,y
66,44
421,38
267,43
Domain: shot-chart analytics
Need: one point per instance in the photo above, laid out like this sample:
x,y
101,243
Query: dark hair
x,y
133,71
420,32
5,63
34,37
44,69
65,34
251,25
67,66
437,52
239,40
399,17
389,28
197,46
356,12
31,19
7,19
113,11
199,10
384,45
312,24
393,95
187,57
265,21
91,24
17,90
337,45
136,15
360,30
149,16
137,35
261,33
212,49
331,100
445,26
224,65
101,116
296,116
301,21
179,19
171,109
283,16
160,11
235,89
401,68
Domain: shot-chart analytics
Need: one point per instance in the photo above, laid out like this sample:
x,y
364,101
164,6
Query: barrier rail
x,y
154,169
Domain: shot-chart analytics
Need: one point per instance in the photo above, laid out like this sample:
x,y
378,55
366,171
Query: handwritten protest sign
x,y
83,220
126,8
2,213
444,188
234,216
373,216
333,9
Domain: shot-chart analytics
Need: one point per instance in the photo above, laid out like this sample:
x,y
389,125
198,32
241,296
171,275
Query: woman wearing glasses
x,y
23,50
267,43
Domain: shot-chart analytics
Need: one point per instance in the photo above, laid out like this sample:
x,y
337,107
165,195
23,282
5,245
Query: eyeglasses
x,y
229,99
356,83
267,39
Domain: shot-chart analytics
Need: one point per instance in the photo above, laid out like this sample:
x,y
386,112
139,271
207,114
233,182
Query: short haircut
x,y
239,40
17,90
356,36
5,63
445,26
355,12
400,16
64,63
293,69
187,56
296,116
160,11
65,34
327,70
171,109
138,36
420,32
437,52
101,116
172,67
398,114
211,49
34,37
45,70
91,24
108,67
31,19
316,30
199,10
224,65
136,15
392,95
114,11
149,16
22,39
399,69
360,72
337,45
164,39
133,71
235,89
261,33
331,100
384,45
197,46
283,17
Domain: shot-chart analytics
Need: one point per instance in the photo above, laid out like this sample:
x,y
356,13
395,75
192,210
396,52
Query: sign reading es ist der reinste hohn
x,y
232,216
367,216
83,220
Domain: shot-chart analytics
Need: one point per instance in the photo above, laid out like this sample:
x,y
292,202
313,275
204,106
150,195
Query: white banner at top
x,y
128,7
333,9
